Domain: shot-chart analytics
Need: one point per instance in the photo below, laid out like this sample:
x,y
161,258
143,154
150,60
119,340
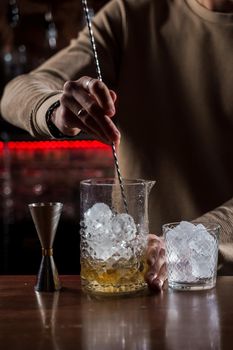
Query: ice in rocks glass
x,y
192,254
113,242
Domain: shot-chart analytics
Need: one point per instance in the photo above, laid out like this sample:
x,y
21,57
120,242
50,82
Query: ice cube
x,y
97,221
108,235
191,250
202,241
99,214
186,226
123,227
181,271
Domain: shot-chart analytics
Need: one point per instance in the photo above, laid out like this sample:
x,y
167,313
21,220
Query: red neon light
x,y
49,145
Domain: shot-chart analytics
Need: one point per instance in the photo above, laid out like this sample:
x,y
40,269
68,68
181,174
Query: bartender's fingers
x,y
158,283
68,123
100,92
156,274
84,120
154,269
93,109
109,131
154,245
75,96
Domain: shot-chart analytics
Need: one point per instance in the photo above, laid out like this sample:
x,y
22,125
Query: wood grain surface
x,y
72,320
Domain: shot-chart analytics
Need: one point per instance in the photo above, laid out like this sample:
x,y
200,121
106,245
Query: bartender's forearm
x,y
223,215
27,94
27,110
27,97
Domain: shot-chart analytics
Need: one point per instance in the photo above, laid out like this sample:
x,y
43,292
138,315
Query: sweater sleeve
x,y
223,215
26,98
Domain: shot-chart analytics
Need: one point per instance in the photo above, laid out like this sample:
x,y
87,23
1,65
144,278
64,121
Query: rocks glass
x,y
113,242
192,254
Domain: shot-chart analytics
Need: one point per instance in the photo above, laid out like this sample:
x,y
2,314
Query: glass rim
x,y
209,226
113,181
45,204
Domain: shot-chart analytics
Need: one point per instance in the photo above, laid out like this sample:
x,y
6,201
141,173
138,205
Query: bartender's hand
x,y
157,268
88,105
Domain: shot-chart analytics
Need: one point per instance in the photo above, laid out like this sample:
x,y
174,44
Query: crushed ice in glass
x,y
191,252
110,235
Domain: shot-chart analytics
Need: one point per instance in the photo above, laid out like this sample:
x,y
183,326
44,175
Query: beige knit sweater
x,y
171,64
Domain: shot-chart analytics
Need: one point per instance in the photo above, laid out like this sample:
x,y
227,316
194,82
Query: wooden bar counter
x,y
69,319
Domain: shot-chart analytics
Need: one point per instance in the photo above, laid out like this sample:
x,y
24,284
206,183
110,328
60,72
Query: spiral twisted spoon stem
x,y
99,76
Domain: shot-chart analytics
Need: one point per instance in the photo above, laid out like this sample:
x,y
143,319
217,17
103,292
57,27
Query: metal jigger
x,y
46,217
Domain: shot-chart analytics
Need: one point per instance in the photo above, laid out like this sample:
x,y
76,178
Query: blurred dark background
x,y
33,30
31,171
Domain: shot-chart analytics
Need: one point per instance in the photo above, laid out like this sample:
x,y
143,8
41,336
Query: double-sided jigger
x,y
46,217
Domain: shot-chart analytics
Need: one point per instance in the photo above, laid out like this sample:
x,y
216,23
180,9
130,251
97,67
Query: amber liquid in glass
x,y
121,277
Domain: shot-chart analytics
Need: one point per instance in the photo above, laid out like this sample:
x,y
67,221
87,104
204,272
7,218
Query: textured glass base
x,y
122,277
111,290
187,286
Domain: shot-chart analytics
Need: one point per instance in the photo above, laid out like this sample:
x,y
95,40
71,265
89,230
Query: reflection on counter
x,y
47,306
201,313
124,328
